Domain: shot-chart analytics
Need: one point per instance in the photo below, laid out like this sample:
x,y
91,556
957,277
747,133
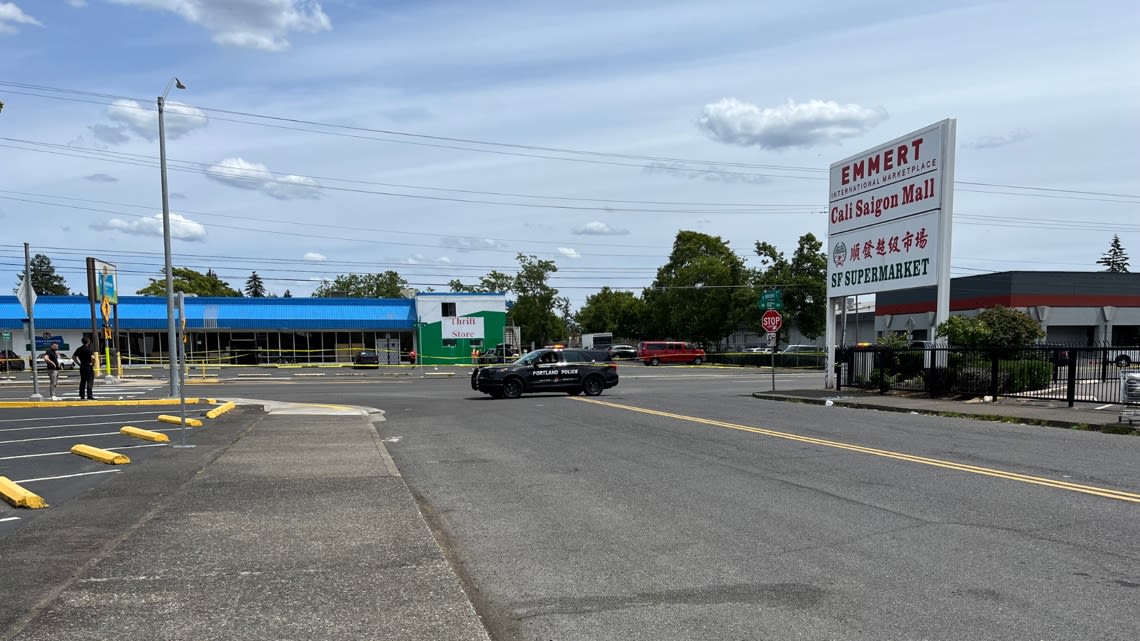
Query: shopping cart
x,y
1129,396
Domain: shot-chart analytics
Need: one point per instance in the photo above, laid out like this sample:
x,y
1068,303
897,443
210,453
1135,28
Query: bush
x,y
1023,375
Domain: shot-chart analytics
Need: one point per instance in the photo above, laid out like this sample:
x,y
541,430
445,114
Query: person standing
x,y
86,359
51,358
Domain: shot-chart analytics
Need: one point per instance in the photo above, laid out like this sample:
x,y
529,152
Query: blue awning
x,y
222,313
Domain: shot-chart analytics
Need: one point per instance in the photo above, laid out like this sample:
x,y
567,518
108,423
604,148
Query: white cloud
x,y
77,3
420,259
179,118
11,15
466,243
238,172
264,24
314,257
598,228
181,227
101,178
569,252
1001,140
793,124
129,117
707,173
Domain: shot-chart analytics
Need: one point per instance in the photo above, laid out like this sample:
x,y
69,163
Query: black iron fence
x,y
1051,372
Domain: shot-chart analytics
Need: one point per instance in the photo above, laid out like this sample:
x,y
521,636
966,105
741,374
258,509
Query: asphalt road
x,y
676,506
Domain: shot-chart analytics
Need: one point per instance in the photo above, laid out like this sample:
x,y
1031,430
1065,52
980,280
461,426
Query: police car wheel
x,y
593,386
512,388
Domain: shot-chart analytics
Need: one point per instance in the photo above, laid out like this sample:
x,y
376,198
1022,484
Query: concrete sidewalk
x,y
277,525
1010,410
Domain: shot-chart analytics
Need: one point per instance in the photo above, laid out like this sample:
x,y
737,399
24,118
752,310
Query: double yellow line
x,y
950,465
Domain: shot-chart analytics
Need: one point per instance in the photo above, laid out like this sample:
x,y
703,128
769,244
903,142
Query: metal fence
x,y
1051,372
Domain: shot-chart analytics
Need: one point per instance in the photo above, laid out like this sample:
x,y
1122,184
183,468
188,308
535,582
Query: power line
x,y
71,93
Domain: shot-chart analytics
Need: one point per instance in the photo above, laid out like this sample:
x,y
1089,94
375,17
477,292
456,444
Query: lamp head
x,y
178,84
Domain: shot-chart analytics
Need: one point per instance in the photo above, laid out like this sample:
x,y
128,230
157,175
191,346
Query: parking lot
x,y
36,442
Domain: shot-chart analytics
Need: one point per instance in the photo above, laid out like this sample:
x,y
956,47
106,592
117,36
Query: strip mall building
x,y
1077,308
442,328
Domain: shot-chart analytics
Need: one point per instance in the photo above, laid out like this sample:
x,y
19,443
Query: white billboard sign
x,y
880,200
462,327
898,254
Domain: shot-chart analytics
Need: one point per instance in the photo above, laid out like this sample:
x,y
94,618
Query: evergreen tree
x,y
254,287
287,294
1115,259
44,278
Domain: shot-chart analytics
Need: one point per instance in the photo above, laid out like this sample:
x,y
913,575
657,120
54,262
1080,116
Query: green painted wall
x,y
432,351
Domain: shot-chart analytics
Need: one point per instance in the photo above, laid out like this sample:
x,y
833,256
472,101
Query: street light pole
x,y
172,346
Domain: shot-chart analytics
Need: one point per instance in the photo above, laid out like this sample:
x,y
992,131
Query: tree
x,y
254,287
534,310
493,282
998,327
287,294
189,281
700,293
802,280
612,311
1115,259
44,279
388,284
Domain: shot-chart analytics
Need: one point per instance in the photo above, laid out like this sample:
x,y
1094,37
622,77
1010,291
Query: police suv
x,y
573,371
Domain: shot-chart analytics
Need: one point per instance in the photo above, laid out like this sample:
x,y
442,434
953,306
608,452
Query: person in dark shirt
x,y
51,359
86,359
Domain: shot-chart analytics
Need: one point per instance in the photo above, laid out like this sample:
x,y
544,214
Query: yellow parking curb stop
x,y
146,435
103,456
221,409
18,496
190,422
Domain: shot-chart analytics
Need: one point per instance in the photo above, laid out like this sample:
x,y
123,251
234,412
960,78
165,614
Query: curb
x,y
1108,428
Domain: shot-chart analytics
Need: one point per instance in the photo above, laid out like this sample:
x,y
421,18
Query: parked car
x,y
65,361
501,353
1122,357
10,362
657,352
367,358
572,371
622,352
757,350
802,349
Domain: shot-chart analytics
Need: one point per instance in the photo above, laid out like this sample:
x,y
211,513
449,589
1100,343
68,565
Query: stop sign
x,y
771,321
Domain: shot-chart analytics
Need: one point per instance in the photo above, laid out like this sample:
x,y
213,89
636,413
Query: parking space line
x,y
53,438
55,418
67,476
10,518
68,452
51,427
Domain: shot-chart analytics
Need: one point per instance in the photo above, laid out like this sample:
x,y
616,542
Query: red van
x,y
657,352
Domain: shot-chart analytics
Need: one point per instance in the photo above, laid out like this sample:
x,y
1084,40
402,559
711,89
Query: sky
x,y
440,139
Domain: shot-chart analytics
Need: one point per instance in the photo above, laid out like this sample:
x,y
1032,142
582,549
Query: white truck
x,y
598,340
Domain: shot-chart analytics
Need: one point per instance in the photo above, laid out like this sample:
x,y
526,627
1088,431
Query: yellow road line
x,y
901,456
